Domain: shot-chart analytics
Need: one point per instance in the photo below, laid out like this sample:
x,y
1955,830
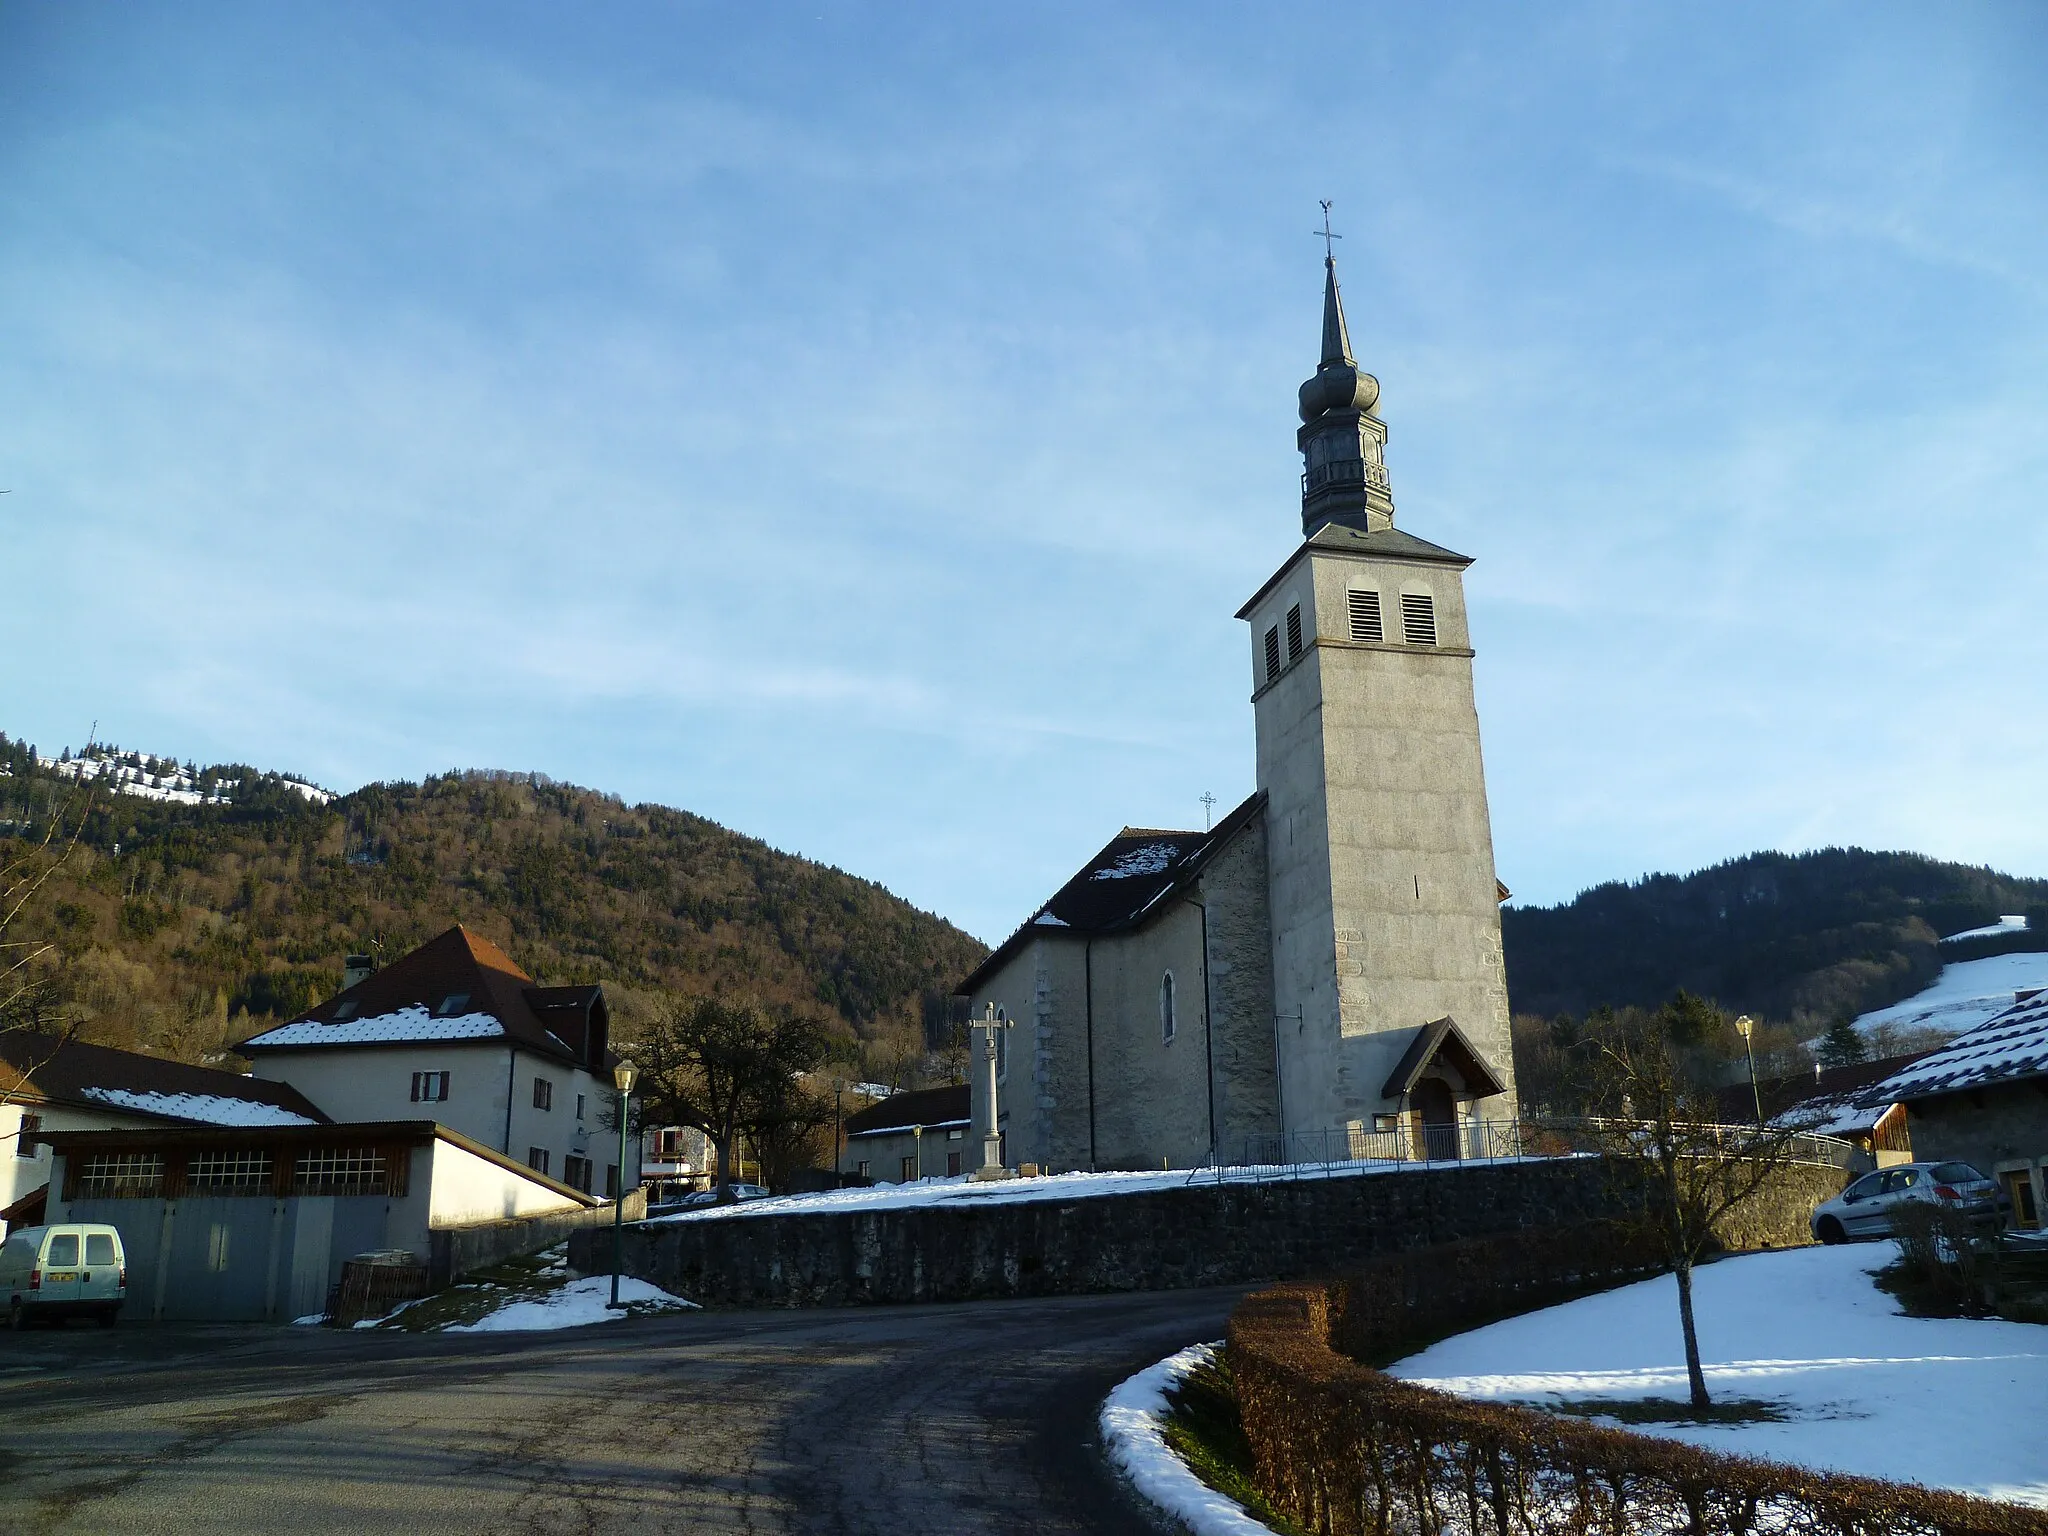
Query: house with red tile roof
x,y
458,1033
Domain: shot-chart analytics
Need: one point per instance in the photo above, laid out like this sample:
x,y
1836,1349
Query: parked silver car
x,y
704,1197
1865,1208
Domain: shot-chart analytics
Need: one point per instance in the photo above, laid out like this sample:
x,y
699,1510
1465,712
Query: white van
x,y
63,1271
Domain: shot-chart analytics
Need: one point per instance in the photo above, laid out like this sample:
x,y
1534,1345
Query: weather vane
x,y
1329,250
1208,808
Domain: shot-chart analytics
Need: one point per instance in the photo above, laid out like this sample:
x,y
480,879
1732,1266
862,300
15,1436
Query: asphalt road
x,y
966,1418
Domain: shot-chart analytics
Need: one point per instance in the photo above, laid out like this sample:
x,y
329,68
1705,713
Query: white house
x,y
457,1033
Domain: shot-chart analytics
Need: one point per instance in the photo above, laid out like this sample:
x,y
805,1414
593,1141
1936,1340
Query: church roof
x,y
459,986
1376,544
1134,876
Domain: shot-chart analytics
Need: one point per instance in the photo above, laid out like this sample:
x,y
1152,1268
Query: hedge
x,y
1349,1451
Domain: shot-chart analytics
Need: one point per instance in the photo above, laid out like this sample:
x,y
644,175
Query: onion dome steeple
x,y
1344,475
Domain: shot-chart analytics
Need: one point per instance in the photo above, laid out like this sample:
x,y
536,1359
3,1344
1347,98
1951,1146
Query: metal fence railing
x,y
1323,1153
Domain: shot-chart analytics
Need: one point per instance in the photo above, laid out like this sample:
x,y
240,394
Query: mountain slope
x,y
1802,938
182,926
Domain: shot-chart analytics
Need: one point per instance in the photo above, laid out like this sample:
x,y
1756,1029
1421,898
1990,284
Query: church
x,y
1319,974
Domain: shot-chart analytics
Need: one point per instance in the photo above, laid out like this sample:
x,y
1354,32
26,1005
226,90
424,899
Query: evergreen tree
x,y
1841,1046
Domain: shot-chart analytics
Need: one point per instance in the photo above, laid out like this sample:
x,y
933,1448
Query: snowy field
x,y
1060,1186
1948,1403
1964,995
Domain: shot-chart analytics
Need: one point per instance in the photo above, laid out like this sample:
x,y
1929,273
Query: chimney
x,y
356,968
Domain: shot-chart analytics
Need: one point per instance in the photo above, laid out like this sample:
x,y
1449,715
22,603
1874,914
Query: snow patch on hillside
x,y
1964,995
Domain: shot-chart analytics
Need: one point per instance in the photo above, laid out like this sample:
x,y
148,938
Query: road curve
x,y
977,1417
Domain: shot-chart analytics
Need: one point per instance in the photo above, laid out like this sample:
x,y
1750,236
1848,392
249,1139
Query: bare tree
x,y
1647,1076
730,1069
31,996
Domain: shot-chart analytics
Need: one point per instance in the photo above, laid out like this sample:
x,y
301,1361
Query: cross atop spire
x,y
1329,251
1344,477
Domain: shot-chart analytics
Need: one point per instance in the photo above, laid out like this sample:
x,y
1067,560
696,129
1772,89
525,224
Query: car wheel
x,y
1829,1231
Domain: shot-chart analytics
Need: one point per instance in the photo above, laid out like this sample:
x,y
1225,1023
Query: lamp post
x,y
917,1146
1746,1027
622,1075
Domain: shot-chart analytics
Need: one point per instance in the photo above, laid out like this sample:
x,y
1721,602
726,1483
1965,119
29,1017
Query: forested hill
x,y
1799,938
184,926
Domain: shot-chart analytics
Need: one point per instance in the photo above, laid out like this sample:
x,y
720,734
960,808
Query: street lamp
x,y
623,1076
917,1145
1746,1027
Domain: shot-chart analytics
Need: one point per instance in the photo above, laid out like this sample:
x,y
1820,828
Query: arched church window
x,y
1166,1018
1272,654
1365,616
1294,633
1418,618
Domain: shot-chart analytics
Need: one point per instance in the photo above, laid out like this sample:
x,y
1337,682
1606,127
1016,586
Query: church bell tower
x,y
1390,996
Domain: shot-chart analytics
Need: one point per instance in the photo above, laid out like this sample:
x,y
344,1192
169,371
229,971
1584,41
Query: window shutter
x,y
1365,616
1418,618
1272,654
1294,633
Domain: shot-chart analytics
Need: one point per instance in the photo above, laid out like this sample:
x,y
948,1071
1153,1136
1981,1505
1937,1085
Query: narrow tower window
x,y
1272,654
1365,616
1418,618
1294,633
1166,1019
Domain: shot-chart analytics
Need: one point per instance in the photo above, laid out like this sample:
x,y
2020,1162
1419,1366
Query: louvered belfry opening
x,y
1365,616
1294,633
1418,618
1272,654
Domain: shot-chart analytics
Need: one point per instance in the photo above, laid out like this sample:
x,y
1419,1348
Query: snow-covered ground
x,y
2015,923
1062,1186
575,1305
1964,995
1948,1403
1133,1421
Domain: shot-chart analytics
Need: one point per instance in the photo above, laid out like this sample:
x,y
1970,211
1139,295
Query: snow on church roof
x,y
1124,884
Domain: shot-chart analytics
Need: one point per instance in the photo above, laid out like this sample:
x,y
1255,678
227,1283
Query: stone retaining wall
x,y
1202,1234
455,1251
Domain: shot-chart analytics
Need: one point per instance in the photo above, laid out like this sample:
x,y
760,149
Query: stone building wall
x,y
1999,1130
1187,1235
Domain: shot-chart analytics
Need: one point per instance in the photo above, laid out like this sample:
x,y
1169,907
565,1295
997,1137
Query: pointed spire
x,y
1336,335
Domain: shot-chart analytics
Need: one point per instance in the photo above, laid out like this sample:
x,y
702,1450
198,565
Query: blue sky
x,y
858,424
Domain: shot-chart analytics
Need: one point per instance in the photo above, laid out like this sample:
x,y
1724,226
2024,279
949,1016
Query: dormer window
x,y
1366,626
1294,633
1418,618
1272,654
451,1005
